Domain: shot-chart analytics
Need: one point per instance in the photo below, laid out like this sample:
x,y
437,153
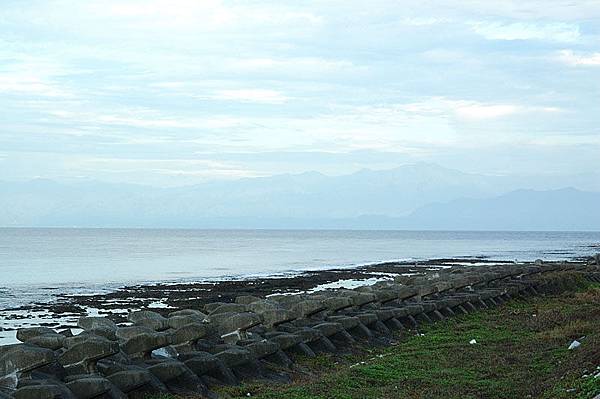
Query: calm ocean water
x,y
38,262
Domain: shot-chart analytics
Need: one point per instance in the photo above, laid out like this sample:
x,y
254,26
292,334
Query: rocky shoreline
x,y
64,310
203,336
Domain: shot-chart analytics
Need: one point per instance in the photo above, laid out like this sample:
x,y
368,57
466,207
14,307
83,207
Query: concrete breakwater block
x,y
190,350
22,358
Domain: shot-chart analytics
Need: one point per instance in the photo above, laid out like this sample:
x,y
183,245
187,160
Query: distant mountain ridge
x,y
563,209
421,196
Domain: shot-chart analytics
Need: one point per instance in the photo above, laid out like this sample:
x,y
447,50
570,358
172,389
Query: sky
x,y
174,92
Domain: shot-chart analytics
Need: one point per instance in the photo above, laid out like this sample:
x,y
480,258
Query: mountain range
x,y
420,196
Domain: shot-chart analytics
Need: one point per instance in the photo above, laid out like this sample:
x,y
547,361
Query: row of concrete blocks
x,y
191,350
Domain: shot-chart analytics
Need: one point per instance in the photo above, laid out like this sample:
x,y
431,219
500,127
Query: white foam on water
x,y
349,284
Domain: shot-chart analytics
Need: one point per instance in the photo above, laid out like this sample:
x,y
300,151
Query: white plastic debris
x,y
574,344
472,342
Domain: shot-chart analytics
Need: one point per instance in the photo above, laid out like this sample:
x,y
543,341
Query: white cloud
x,y
205,14
482,111
29,85
146,118
558,32
569,57
471,110
251,95
294,64
199,168
424,21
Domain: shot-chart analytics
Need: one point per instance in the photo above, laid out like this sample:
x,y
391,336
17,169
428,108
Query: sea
x,y
38,263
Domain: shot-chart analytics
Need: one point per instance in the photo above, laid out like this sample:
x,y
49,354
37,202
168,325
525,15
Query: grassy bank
x,y
521,351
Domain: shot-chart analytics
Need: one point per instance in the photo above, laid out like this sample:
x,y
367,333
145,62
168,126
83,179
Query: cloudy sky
x,y
170,92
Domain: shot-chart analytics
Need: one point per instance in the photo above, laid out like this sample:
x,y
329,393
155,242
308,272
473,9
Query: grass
x,y
521,352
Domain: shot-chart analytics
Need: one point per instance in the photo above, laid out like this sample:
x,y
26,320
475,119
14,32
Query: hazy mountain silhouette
x,y
413,196
564,209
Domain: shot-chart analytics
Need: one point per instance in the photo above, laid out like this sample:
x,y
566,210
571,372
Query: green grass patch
x,y
521,351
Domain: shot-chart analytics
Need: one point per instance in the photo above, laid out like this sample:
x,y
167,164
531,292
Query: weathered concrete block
x,y
125,333
90,323
262,306
228,322
260,349
150,319
180,321
130,380
274,317
200,362
204,363
189,333
363,298
168,370
143,344
44,391
347,322
329,329
384,314
246,299
337,303
23,358
25,334
88,352
52,341
367,318
88,388
234,357
385,295
103,332
188,312
307,307
286,341
229,308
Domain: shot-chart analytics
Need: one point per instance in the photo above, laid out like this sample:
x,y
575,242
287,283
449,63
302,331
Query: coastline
x,y
245,345
164,297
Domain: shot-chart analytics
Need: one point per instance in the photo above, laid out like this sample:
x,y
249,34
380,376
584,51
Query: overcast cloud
x,y
170,92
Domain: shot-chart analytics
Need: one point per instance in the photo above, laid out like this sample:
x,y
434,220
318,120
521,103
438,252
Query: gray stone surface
x,y
88,388
142,344
189,333
90,323
149,319
52,341
228,322
46,391
25,334
23,358
88,352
